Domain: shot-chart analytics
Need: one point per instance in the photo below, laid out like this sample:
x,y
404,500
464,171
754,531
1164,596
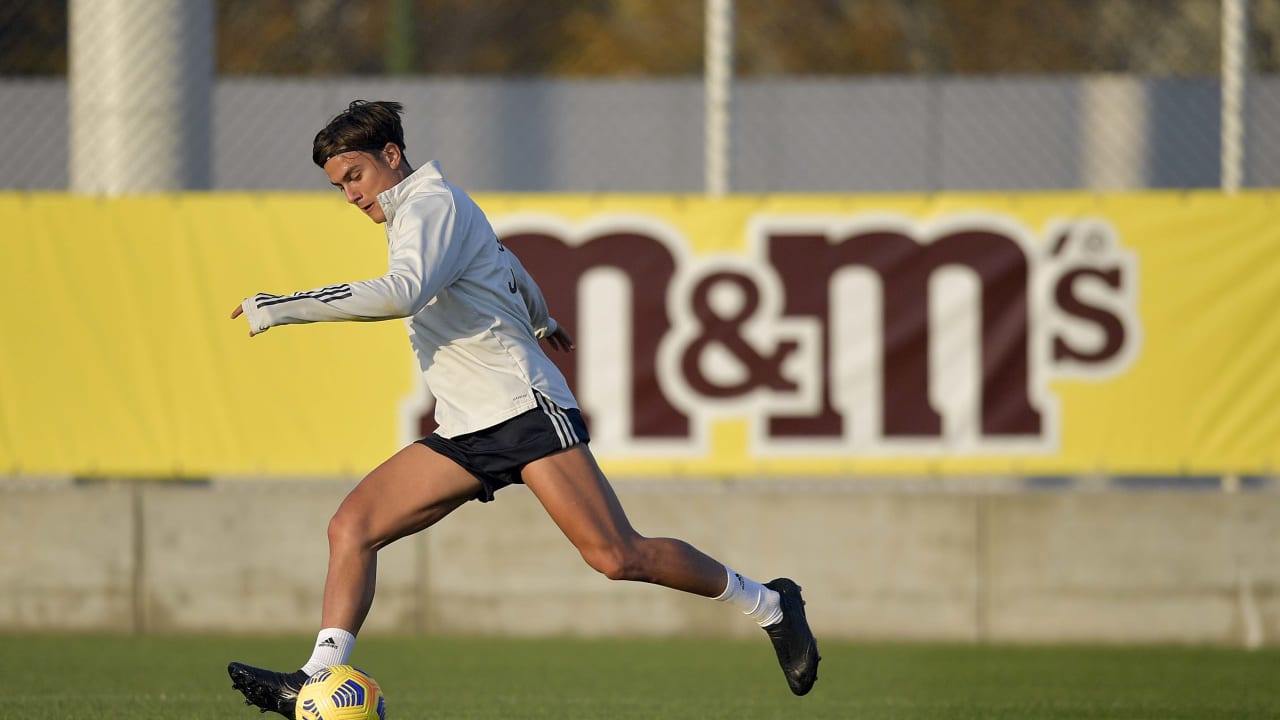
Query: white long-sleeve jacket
x,y
474,314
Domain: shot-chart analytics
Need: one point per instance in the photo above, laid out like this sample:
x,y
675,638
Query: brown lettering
x,y
1070,303
763,370
649,266
807,262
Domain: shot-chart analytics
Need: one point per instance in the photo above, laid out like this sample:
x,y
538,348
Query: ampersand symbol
x,y
762,370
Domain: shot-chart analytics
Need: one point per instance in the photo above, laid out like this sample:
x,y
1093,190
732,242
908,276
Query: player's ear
x,y
391,153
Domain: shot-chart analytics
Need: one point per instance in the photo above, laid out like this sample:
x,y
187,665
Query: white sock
x,y
333,647
752,598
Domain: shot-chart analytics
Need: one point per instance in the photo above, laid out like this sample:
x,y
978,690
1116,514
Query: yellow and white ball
x,y
341,692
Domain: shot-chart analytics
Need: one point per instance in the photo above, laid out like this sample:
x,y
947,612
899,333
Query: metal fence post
x,y
718,78
141,95
1235,23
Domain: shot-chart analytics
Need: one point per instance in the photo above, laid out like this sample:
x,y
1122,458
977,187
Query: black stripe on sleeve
x,y
327,294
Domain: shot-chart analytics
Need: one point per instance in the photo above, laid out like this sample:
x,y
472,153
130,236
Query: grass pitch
x,y
72,677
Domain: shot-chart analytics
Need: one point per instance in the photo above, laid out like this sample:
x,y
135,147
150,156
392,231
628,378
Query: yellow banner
x,y
771,336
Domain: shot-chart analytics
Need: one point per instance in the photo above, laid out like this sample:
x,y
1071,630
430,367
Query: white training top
x,y
474,314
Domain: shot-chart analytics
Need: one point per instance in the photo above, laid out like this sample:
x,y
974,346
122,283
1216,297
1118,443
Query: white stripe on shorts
x,y
564,429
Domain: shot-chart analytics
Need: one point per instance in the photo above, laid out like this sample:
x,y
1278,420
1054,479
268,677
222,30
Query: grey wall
x,y
892,560
789,134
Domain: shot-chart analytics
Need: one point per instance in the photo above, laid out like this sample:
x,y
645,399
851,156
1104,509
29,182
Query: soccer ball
x,y
341,692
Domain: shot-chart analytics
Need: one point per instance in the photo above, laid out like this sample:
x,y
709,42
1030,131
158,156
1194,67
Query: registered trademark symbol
x,y
1095,241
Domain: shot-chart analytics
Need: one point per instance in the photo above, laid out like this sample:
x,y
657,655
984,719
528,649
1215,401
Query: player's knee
x,y
346,527
614,567
618,562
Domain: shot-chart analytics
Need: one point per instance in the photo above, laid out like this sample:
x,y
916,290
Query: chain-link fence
x,y
609,95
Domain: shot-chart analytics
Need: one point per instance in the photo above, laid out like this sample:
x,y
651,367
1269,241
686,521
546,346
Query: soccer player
x,y
504,411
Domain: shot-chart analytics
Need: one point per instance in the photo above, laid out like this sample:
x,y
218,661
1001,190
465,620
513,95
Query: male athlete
x,y
504,412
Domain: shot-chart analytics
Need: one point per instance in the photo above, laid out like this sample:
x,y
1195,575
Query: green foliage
x,y
664,38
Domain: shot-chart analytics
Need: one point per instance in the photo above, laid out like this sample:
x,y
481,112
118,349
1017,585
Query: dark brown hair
x,y
366,126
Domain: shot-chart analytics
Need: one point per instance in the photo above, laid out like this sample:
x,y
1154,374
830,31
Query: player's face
x,y
361,175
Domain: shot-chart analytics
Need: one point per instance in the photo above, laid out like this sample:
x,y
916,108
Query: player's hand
x,y
560,340
237,313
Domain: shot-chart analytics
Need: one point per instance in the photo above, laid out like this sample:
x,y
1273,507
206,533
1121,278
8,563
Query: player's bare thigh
x,y
409,492
579,498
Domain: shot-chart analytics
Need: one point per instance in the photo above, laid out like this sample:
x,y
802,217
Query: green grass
x,y
46,677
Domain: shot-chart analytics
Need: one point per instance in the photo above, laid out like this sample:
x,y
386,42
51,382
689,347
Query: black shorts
x,y
496,455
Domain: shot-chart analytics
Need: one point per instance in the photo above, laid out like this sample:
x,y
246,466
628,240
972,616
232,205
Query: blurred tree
x,y
1264,40
33,37
634,37
664,37
974,37
400,40
299,37
491,37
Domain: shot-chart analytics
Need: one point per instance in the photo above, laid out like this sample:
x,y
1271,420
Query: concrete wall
x,y
892,560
